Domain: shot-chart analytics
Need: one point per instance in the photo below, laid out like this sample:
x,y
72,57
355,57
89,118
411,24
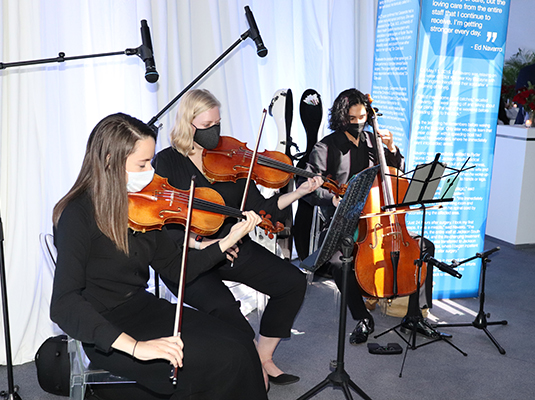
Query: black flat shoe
x,y
422,328
283,379
364,328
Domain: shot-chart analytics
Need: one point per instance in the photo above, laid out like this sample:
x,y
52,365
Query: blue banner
x,y
456,89
393,66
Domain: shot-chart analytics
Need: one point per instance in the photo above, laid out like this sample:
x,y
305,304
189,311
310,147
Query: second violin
x,y
231,160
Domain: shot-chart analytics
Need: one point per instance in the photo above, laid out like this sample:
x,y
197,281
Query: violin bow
x,y
248,181
180,295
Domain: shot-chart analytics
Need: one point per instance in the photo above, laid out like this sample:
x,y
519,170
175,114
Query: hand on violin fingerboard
x,y
310,185
307,187
239,230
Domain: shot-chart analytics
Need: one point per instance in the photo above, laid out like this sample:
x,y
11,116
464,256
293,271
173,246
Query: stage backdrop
x,y
437,80
48,111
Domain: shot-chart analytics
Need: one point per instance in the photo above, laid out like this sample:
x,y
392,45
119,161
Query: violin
x,y
159,203
231,160
385,252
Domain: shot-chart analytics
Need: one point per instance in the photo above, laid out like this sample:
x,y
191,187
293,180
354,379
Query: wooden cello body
x,y
385,252
385,256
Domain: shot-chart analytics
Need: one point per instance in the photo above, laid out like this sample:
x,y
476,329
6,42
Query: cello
x,y
385,252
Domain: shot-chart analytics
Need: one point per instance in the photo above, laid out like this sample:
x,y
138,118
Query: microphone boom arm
x,y
153,120
61,58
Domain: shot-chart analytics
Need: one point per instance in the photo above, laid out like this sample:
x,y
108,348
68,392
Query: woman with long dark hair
x,y
99,294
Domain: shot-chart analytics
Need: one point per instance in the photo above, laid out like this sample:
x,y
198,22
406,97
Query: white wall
x,y
521,29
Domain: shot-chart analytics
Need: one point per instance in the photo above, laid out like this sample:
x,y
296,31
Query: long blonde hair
x,y
103,174
193,103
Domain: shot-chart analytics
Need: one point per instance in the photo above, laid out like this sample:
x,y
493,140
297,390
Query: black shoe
x,y
361,332
283,379
407,325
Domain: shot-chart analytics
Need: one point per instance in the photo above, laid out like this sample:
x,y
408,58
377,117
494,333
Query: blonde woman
x,y
197,127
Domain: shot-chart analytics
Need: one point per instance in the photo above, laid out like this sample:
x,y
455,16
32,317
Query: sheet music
x,y
421,173
449,187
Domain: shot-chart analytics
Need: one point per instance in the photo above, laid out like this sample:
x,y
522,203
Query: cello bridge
x,y
397,235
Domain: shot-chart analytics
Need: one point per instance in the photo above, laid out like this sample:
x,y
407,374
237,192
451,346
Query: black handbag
x,y
53,366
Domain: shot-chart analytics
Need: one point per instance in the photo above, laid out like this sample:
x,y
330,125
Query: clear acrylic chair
x,y
82,373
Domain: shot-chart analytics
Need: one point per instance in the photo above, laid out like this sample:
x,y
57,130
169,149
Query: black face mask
x,y
356,130
208,137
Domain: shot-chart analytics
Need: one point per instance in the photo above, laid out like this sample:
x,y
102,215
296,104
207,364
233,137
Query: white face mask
x,y
138,180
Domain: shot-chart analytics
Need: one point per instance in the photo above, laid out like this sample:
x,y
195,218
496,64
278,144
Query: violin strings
x,y
271,162
200,204
205,205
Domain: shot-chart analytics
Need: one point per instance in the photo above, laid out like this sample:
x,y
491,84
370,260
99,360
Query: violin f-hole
x,y
162,213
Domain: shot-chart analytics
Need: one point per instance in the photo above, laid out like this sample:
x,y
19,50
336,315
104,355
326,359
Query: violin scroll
x,y
267,225
334,187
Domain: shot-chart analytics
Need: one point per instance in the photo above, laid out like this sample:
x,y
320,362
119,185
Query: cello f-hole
x,y
376,242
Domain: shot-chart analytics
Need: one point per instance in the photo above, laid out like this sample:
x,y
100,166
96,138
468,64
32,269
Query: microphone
x,y
442,266
487,253
254,33
147,54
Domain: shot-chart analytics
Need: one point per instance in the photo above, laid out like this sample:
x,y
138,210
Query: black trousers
x,y
261,270
220,362
355,301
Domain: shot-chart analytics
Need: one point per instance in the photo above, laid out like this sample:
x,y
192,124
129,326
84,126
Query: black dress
x,y
99,292
255,266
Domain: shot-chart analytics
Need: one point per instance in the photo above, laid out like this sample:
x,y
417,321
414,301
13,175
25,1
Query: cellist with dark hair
x,y
348,150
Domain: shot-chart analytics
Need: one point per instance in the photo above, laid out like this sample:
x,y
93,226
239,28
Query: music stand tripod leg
x,y
339,377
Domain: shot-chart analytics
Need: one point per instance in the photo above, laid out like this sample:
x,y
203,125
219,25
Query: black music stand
x,y
340,236
421,191
480,322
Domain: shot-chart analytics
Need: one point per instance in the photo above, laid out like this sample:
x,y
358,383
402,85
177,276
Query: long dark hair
x,y
103,174
339,113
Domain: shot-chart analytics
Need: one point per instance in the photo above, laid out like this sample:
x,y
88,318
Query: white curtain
x,y
48,110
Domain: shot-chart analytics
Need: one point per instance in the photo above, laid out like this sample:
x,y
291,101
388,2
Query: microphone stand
x,y
480,322
153,120
142,51
12,389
